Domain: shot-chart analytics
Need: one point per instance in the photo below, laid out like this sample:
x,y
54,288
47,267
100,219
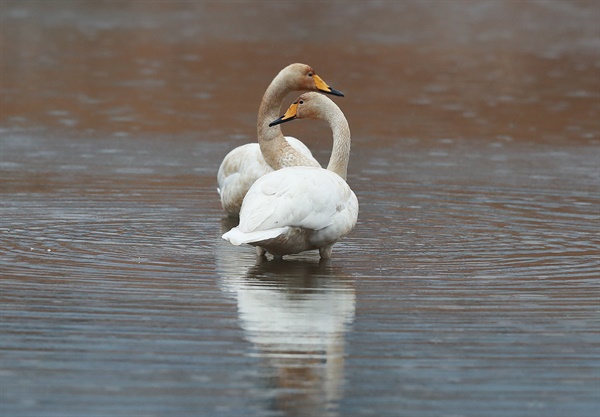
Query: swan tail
x,y
237,237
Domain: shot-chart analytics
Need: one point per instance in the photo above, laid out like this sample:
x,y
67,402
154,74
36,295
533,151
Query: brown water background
x,y
469,286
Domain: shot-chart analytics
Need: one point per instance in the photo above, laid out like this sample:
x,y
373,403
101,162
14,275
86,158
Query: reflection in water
x,y
295,313
475,258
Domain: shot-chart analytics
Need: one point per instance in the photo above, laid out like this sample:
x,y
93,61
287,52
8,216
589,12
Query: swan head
x,y
301,77
307,106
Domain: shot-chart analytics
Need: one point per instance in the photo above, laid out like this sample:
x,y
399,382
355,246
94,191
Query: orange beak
x,y
323,87
290,114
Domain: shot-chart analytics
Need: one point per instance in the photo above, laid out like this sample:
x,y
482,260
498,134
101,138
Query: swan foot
x,y
261,252
325,251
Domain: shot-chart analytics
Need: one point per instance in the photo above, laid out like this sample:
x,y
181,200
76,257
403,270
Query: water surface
x,y
469,286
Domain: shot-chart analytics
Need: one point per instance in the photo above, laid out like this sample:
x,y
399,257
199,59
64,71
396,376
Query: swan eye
x,y
310,74
301,102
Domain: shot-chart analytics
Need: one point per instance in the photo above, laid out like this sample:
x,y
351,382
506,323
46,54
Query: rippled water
x,y
469,286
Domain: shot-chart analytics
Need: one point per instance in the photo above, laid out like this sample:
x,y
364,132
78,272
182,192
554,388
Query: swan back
x,y
296,209
244,165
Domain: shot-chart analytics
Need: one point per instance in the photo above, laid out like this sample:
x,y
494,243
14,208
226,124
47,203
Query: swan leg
x,y
261,252
325,251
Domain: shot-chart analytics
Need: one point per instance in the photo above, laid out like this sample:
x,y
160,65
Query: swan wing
x,y
247,161
304,197
238,171
241,167
300,147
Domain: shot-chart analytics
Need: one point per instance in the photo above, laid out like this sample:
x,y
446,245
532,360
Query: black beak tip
x,y
335,92
276,122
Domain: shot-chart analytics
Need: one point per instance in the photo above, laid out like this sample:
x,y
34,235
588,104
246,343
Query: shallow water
x,y
469,286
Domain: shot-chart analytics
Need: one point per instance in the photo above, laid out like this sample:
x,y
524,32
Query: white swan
x,y
301,208
245,164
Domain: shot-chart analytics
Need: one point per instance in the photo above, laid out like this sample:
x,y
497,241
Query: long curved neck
x,y
270,108
278,153
340,153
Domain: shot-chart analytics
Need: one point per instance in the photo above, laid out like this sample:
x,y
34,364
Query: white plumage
x,y
242,166
295,209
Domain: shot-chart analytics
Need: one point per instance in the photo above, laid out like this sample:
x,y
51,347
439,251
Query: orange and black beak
x,y
290,114
324,88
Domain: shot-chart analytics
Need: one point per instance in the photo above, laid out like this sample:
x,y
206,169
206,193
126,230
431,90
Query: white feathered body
x,y
241,168
296,209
